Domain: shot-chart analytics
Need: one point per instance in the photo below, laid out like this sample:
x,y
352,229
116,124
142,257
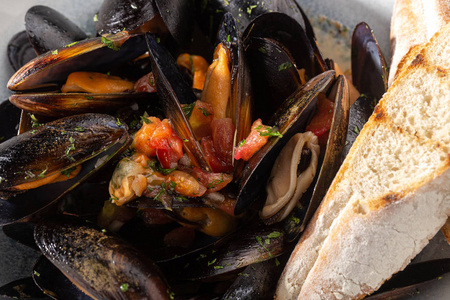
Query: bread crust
x,y
362,234
413,23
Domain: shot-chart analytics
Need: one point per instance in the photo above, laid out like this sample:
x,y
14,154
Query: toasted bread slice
x,y
413,23
391,194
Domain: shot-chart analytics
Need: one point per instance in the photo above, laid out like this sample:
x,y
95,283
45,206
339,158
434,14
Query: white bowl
x,y
16,260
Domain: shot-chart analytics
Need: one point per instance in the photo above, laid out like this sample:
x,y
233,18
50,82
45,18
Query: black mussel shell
x,y
173,91
369,68
257,281
9,118
335,145
67,104
96,54
99,263
414,278
210,13
56,146
112,139
23,288
21,233
48,29
273,72
117,15
247,246
292,36
290,118
19,50
52,282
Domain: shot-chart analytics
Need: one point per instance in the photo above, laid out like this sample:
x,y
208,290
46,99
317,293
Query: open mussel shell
x,y
117,15
292,36
53,67
369,68
91,139
273,71
173,91
67,104
244,11
99,263
48,29
290,118
252,244
332,156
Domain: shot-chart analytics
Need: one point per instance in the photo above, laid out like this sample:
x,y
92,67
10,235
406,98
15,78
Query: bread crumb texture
x,y
391,194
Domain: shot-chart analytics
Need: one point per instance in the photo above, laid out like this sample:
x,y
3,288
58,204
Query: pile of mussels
x,y
54,175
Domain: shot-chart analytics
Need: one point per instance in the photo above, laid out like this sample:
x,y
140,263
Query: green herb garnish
x,y
284,66
187,109
155,165
68,171
110,44
124,287
268,131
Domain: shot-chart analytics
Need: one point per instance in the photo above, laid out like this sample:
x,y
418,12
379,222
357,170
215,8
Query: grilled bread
x,y
391,194
413,23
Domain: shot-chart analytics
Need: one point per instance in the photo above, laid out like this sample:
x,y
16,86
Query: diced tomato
x,y
223,136
158,138
145,84
200,119
217,165
226,205
142,138
321,123
184,184
212,181
253,142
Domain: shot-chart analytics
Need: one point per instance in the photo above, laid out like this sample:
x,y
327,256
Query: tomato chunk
x,y
145,84
258,136
223,136
212,181
157,138
321,123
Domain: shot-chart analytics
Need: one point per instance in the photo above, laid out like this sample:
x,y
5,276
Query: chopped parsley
x,y
42,175
118,123
34,121
216,182
241,143
95,19
187,109
356,129
79,129
284,66
263,50
155,165
54,52
146,120
71,44
268,131
110,44
124,287
71,147
36,273
212,262
68,171
205,112
89,97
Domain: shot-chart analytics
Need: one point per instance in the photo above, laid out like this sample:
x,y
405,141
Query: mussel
x,y
32,160
101,264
